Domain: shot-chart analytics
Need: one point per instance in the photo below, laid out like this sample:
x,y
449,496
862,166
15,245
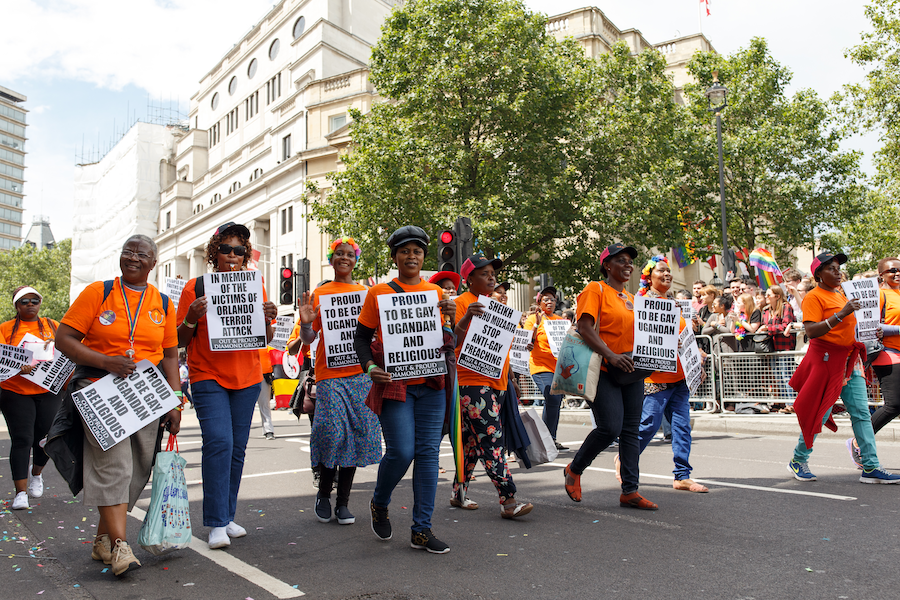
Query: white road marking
x,y
276,587
729,484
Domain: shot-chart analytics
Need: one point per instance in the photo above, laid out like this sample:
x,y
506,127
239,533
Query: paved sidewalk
x,y
731,424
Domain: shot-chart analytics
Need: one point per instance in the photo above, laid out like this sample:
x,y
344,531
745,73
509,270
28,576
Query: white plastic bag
x,y
543,448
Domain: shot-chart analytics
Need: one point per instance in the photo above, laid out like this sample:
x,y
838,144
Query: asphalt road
x,y
757,534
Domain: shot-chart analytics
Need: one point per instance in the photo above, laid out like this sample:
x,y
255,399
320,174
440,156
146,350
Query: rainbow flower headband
x,y
645,274
338,242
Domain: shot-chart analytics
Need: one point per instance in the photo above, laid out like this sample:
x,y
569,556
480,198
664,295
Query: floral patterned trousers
x,y
481,433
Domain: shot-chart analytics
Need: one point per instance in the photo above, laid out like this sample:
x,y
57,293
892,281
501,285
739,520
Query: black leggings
x,y
28,419
889,379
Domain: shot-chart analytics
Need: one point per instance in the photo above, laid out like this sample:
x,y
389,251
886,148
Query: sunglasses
x,y
30,301
238,250
625,299
891,270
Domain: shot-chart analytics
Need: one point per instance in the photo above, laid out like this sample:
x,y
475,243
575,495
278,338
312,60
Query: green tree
x,y
787,180
47,271
871,236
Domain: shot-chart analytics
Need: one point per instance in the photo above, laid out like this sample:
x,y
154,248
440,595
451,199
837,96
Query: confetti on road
x,y
187,584
597,521
503,555
107,568
808,569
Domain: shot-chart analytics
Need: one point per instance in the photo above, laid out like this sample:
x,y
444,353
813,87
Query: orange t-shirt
x,y
890,300
232,369
541,359
265,362
466,376
17,384
371,318
818,305
663,377
616,321
304,348
105,324
322,370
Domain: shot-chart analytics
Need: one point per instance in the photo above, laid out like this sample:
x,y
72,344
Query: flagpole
x,y
700,16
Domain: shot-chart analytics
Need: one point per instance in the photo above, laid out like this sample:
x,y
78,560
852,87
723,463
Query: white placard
x,y
487,341
172,287
656,334
339,314
283,328
412,335
114,407
12,359
41,350
691,359
52,374
234,314
556,332
687,309
518,353
868,317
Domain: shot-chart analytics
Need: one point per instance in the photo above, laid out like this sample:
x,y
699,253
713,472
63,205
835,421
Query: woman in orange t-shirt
x,y
541,361
28,408
345,432
616,407
111,333
479,398
225,385
832,368
667,393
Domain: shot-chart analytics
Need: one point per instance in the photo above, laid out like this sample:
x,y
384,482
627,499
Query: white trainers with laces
x,y
35,486
21,501
123,559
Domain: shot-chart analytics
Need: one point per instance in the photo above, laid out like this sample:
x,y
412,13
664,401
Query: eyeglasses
x,y
133,254
625,299
238,250
891,270
29,301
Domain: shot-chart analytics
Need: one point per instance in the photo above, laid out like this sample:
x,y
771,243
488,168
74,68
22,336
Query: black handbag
x,y
763,343
303,400
621,378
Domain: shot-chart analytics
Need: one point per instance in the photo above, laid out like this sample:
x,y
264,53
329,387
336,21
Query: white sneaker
x,y
21,501
35,486
234,530
218,538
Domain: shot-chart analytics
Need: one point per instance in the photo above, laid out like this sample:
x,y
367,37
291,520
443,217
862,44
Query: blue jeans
x,y
855,401
552,402
225,417
412,430
673,403
784,369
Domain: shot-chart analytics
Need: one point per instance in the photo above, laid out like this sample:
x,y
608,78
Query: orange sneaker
x,y
635,500
574,490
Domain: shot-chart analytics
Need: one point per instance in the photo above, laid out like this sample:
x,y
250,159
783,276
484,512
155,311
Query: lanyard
x,y
132,321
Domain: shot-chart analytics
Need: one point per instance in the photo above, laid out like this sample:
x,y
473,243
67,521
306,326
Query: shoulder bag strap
x,y
396,287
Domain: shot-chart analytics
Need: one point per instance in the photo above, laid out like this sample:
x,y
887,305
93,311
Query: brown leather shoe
x,y
635,500
574,490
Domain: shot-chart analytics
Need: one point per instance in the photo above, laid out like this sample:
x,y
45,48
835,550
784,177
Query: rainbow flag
x,y
456,431
682,256
767,271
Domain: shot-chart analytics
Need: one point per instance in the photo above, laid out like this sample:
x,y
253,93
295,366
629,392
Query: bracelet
x,y
839,319
369,370
306,326
189,325
179,394
180,407
830,326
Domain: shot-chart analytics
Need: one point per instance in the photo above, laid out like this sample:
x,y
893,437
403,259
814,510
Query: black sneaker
x,y
323,509
381,524
559,446
425,540
344,516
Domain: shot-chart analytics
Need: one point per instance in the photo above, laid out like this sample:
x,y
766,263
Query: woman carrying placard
x,y
225,385
832,368
110,333
667,394
411,411
887,364
541,362
27,407
345,432
617,405
479,398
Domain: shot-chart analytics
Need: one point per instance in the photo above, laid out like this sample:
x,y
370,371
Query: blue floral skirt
x,y
345,432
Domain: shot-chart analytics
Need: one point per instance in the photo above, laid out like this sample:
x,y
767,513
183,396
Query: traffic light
x,y
448,254
302,278
464,239
286,286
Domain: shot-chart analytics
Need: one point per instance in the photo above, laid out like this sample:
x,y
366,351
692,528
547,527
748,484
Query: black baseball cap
x,y
614,249
826,257
503,285
232,226
407,234
476,262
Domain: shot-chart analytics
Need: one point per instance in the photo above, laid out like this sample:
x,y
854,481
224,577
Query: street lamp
x,y
716,95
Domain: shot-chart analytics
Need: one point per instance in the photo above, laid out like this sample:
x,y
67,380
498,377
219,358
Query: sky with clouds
x,y
90,67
